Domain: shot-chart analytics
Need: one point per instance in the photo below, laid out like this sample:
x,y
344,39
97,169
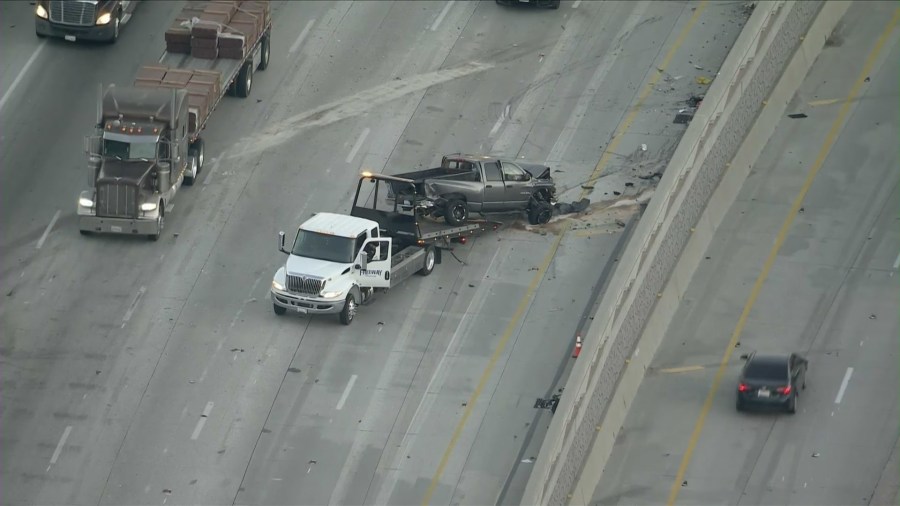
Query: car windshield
x,y
766,370
326,247
129,150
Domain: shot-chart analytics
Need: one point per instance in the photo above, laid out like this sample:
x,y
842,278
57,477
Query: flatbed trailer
x,y
404,224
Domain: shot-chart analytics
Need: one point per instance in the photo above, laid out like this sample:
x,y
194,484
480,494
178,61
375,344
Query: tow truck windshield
x,y
129,150
330,248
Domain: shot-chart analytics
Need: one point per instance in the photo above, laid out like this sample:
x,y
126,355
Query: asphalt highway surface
x,y
136,372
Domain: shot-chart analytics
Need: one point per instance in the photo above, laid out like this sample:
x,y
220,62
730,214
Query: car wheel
x,y
349,310
457,212
278,309
792,404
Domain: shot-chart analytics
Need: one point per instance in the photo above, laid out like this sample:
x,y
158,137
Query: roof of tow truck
x,y
341,225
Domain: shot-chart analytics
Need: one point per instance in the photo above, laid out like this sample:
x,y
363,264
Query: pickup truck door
x,y
373,269
494,189
517,190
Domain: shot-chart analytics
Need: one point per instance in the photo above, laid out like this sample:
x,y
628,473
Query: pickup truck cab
x,y
480,184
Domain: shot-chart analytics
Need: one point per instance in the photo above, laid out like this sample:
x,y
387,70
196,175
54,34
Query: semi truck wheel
x,y
278,309
349,310
428,264
264,51
191,174
159,223
456,212
245,80
196,149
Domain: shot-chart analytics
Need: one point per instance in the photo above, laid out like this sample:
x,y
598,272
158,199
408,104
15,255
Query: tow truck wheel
x,y
349,310
428,264
456,212
278,309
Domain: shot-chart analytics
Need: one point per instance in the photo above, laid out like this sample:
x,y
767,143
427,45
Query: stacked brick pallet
x,y
218,28
203,87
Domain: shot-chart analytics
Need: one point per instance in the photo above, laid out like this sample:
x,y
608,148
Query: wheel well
x,y
542,194
454,196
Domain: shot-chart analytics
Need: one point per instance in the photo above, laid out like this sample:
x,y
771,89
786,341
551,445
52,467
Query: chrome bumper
x,y
117,225
306,305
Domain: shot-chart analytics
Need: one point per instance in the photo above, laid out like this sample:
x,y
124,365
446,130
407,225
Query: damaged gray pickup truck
x,y
466,184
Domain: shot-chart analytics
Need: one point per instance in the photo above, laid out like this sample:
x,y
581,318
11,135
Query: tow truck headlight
x,y
332,294
104,18
85,202
41,12
148,206
276,285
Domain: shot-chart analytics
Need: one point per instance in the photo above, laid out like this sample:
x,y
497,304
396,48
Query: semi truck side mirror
x,y
281,242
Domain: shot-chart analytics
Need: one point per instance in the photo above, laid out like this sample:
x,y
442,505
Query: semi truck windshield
x,y
129,150
330,248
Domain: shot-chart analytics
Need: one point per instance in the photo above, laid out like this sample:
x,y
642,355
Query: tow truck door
x,y
373,269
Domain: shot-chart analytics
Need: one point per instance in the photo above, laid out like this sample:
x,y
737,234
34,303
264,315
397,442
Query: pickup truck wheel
x,y
245,80
264,51
428,264
278,309
540,213
456,212
349,310
191,173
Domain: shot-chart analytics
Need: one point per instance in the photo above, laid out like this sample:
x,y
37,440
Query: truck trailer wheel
x,y
244,80
349,310
264,51
456,212
428,264
278,309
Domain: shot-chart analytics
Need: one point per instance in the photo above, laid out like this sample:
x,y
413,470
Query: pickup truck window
x,y
330,248
512,172
492,172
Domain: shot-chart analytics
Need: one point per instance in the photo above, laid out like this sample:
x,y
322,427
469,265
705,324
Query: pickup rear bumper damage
x,y
306,305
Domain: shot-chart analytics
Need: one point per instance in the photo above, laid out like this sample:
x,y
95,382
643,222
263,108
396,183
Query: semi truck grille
x,y
117,201
301,284
72,12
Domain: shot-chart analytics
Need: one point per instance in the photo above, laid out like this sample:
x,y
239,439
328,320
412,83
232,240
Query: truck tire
x,y
265,51
428,263
456,212
244,80
278,309
540,213
197,149
117,24
160,220
190,174
349,310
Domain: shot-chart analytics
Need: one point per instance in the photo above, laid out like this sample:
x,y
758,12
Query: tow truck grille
x,y
302,284
72,12
117,201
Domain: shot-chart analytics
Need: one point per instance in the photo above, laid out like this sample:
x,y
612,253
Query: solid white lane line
x,y
47,230
840,394
22,73
346,393
202,421
897,261
134,304
497,125
576,4
62,442
441,16
359,142
163,57
303,34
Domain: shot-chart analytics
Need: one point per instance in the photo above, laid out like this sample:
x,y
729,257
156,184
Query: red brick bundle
x,y
203,87
218,28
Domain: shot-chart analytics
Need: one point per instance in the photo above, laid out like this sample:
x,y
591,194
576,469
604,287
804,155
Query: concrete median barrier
x,y
767,64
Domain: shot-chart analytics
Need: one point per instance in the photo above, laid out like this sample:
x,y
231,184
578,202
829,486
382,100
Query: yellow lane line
x,y
770,260
535,282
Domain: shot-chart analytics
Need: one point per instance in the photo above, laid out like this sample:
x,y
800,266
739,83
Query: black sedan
x,y
771,380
